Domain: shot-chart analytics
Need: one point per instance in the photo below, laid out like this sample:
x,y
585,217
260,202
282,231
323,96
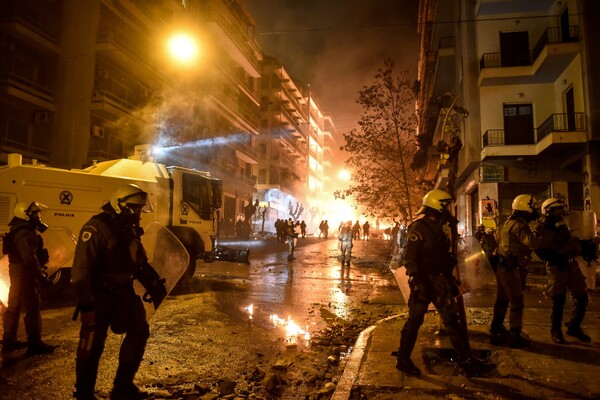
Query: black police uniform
x,y
559,249
106,257
429,264
27,257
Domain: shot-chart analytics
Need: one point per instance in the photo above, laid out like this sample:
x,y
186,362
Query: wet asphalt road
x,y
203,333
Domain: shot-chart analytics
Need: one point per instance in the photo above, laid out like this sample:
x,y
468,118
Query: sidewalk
x,y
544,371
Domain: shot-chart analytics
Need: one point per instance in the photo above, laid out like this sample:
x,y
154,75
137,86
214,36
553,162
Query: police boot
x,y
38,347
516,340
472,366
8,345
577,314
403,361
558,303
123,386
498,329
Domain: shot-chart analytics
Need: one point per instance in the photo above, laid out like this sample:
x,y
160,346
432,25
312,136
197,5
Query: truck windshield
x,y
197,193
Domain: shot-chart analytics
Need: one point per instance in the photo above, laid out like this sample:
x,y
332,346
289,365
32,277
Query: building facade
x,y
89,80
514,84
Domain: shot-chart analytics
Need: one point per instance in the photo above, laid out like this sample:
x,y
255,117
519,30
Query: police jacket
x,y
345,235
25,247
427,249
556,245
516,238
104,258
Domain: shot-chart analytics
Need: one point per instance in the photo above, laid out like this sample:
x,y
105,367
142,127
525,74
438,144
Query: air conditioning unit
x,y
97,131
9,44
42,117
103,72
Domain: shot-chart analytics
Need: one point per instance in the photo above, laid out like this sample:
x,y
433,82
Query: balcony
x,y
32,24
26,91
565,131
129,52
550,56
110,105
289,143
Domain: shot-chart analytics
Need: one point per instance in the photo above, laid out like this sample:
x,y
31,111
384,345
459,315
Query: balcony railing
x,y
561,123
550,36
554,123
31,87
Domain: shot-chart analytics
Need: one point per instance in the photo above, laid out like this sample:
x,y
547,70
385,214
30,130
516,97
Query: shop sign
x,y
492,173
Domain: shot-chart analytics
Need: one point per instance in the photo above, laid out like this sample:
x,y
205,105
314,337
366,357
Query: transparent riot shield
x,y
473,265
168,258
60,244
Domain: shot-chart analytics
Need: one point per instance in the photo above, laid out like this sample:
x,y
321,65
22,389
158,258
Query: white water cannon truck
x,y
185,201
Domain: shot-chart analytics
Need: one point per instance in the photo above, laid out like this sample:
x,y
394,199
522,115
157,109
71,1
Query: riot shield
x,y
473,265
61,248
167,257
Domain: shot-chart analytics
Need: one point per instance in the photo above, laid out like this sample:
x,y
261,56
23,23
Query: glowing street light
x,y
344,175
183,48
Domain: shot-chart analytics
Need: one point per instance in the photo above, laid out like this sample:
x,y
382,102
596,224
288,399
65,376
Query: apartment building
x,y
516,83
88,80
283,144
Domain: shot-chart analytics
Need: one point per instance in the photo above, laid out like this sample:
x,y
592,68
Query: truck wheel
x,y
60,280
191,268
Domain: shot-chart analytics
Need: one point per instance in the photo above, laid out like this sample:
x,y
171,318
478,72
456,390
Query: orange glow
x,y
292,330
183,48
250,310
4,292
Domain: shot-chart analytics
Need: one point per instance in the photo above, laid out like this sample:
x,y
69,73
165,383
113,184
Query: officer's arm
x,y
527,238
26,244
86,252
410,259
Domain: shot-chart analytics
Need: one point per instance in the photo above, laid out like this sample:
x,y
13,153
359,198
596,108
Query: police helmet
x,y
436,199
26,210
126,196
523,202
551,203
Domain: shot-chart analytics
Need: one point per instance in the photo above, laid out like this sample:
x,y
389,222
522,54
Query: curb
x,y
343,389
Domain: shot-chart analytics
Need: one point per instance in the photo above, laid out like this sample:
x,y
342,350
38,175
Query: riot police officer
x,y
516,243
27,261
345,240
104,265
429,264
291,236
559,249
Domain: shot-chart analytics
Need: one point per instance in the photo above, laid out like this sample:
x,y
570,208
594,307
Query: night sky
x,y
337,45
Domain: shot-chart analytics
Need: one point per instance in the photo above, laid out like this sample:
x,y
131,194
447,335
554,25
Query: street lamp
x,y
183,48
344,175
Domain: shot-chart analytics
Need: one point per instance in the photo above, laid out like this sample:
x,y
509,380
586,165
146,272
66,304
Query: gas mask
x,y
36,222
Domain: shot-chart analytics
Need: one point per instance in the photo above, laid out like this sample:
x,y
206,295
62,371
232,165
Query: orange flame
x,y
292,330
250,310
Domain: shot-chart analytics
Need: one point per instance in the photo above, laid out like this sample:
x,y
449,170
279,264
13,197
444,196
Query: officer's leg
x,y
557,291
580,297
86,368
448,310
12,312
468,365
500,306
514,290
33,319
408,337
131,353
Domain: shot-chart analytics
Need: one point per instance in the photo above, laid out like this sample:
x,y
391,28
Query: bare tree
x,y
383,146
